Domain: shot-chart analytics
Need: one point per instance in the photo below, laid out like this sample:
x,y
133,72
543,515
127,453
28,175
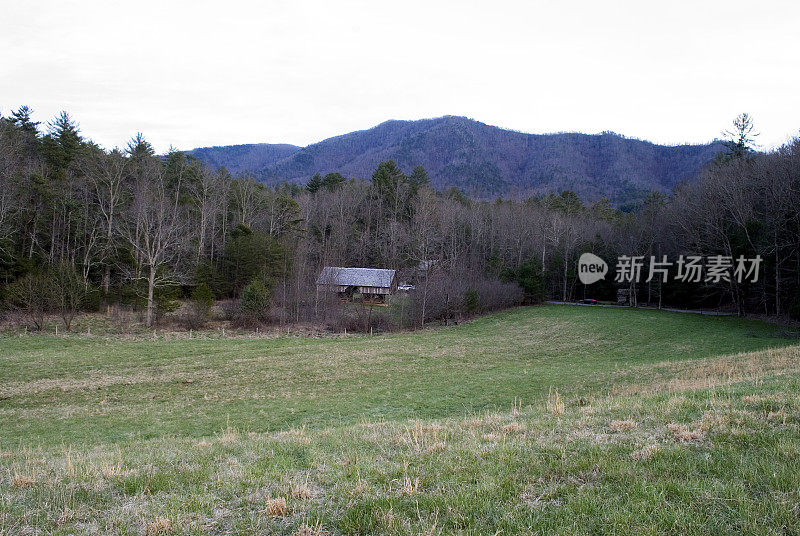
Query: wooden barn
x,y
369,282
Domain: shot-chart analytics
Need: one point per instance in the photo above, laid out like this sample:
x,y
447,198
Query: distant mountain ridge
x,y
244,158
482,160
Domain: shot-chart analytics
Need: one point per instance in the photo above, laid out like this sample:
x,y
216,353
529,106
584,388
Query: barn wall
x,y
362,290
374,290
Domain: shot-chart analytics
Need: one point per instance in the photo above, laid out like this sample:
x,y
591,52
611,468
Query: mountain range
x,y
482,160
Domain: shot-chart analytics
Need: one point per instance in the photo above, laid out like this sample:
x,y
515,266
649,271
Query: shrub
x,y
530,278
198,310
33,296
167,300
70,292
93,300
255,303
446,296
494,295
361,320
471,301
230,308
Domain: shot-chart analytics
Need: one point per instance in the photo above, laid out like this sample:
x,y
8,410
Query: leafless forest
x,y
82,228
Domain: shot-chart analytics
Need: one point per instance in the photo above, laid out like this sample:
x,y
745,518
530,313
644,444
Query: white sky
x,y
199,73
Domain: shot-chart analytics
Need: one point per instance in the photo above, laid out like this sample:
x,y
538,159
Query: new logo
x,y
591,268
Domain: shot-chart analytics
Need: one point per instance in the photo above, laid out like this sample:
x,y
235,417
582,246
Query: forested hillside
x,y
82,228
482,160
244,158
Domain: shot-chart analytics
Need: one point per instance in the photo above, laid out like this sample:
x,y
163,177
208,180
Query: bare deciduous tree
x,y
108,174
156,230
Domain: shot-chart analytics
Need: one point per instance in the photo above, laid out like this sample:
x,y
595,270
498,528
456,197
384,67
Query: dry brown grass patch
x,y
293,433
302,491
555,404
513,428
295,439
487,420
778,416
682,434
645,453
111,471
228,435
22,481
158,527
622,426
711,372
474,422
516,408
436,447
421,438
409,487
712,419
310,529
276,507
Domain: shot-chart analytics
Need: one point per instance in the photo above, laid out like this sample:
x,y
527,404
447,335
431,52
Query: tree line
x,y
82,227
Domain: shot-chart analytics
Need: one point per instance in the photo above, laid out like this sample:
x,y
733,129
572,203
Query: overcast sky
x,y
198,73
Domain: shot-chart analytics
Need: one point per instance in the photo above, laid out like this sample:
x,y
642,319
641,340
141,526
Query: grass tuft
x,y
622,426
409,486
302,491
160,526
277,507
513,428
645,453
228,434
555,404
310,529
683,434
22,481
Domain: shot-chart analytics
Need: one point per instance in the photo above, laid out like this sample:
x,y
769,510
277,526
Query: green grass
x,y
81,389
672,423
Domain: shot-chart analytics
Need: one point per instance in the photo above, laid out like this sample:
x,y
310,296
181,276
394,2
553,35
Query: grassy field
x,y
569,419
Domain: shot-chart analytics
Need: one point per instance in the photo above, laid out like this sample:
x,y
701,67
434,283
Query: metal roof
x,y
359,277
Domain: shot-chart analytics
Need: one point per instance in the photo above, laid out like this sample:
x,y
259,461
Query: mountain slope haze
x,y
482,160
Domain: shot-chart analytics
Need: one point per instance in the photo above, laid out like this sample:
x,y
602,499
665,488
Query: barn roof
x,y
359,277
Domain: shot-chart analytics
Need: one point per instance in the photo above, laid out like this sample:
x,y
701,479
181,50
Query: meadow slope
x,y
538,420
80,389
